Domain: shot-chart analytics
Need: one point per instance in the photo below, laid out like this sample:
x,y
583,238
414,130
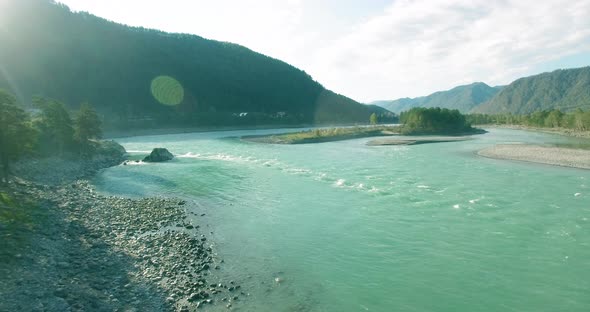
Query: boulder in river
x,y
159,154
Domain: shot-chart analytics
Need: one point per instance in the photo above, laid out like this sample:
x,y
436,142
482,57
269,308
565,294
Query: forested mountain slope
x,y
565,90
137,77
464,98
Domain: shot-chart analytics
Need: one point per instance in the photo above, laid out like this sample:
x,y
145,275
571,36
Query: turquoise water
x,y
350,227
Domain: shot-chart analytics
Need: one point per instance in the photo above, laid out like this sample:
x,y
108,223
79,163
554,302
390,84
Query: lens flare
x,y
167,90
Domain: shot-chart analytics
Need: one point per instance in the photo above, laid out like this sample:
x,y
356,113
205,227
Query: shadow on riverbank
x,y
50,261
63,247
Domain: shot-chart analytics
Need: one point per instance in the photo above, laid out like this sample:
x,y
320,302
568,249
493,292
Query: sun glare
x,y
167,90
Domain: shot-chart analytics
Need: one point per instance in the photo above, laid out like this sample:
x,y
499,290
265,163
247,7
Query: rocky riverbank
x,y
67,168
63,247
557,156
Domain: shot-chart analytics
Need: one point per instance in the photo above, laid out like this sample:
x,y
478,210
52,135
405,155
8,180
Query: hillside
x,y
566,90
464,98
141,78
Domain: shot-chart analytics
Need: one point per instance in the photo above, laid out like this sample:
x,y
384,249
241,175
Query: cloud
x,y
266,26
416,47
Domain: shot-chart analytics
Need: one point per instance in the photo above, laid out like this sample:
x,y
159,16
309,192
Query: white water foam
x,y
297,170
219,156
138,152
321,176
374,190
276,164
134,163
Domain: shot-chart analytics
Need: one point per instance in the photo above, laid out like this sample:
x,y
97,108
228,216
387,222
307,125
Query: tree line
x,y
578,120
49,130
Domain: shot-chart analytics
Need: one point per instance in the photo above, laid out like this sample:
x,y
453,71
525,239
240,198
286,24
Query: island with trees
x,y
425,125
435,121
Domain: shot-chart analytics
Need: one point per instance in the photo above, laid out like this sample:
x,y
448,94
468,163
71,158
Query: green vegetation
x,y
564,90
436,120
373,119
87,127
56,132
16,132
49,133
13,211
140,78
325,135
17,216
578,120
463,98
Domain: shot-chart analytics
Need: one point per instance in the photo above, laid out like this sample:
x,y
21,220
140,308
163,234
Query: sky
x,y
381,49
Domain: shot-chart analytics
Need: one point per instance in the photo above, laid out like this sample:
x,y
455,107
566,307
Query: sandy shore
x,y
556,156
414,140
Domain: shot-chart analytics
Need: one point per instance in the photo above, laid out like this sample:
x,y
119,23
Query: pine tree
x,y
88,124
55,125
16,133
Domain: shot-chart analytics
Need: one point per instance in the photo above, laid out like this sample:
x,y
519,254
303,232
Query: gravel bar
x,y
557,156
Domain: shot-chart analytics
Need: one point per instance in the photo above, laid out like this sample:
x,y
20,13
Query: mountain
x,y
138,77
464,98
399,105
564,89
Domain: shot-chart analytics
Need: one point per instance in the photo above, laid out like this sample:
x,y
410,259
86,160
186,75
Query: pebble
x,y
114,230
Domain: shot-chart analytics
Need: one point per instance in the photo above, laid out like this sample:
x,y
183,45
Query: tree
x,y
420,120
554,119
88,124
16,133
55,125
373,119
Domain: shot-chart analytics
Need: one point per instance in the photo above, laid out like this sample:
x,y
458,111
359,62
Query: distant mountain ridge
x,y
563,89
464,98
48,50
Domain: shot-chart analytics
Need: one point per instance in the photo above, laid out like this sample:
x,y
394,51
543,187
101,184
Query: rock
x,y
159,154
194,297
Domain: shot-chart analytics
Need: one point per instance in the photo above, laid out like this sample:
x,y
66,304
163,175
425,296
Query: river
x,y
348,227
